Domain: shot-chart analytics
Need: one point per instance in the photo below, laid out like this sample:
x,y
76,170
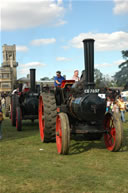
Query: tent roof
x,y
24,79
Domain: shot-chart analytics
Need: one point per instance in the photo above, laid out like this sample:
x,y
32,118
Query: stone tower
x,y
9,60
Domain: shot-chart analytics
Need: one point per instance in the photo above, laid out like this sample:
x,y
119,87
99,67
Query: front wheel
x,y
62,133
113,137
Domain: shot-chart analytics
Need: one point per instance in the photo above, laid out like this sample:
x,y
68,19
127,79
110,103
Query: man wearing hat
x,y
58,79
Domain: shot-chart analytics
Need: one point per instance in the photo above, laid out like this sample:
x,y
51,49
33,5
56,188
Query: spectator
x,y
122,108
76,75
111,106
58,79
3,103
115,107
25,85
108,104
15,91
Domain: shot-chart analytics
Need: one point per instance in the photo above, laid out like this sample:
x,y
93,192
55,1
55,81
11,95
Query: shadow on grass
x,y
28,129
83,145
125,142
80,145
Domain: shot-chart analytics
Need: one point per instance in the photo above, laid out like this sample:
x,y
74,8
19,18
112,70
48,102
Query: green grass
x,y
89,167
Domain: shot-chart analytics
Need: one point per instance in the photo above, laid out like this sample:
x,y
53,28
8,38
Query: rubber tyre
x,y
62,133
18,119
47,117
7,105
114,137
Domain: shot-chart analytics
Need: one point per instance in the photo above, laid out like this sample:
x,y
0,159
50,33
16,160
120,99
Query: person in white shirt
x,y
76,75
25,85
3,103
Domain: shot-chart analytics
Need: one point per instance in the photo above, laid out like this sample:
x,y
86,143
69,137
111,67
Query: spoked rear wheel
x,y
18,119
62,133
14,104
114,136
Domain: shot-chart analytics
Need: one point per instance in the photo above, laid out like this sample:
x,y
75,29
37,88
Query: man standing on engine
x,y
58,79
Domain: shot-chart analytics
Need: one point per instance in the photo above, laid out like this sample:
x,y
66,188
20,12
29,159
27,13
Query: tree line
x,y
120,78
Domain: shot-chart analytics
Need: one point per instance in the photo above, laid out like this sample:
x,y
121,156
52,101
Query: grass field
x,y
29,166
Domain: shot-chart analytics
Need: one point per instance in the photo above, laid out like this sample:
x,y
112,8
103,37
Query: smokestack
x,y
32,80
89,62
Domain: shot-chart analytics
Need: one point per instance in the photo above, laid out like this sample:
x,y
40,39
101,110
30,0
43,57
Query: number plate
x,y
91,90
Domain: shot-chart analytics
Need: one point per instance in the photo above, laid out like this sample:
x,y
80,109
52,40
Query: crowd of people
x,y
117,105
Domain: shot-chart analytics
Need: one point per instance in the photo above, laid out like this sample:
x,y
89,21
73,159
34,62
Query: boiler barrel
x,y
88,108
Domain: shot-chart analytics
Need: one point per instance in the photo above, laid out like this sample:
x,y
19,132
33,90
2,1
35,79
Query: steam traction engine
x,y
24,104
79,109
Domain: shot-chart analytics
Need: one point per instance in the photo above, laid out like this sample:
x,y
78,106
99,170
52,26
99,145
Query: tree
x,y
45,78
98,77
121,77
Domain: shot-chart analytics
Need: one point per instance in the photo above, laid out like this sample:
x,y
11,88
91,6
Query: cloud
x,y
121,7
60,22
23,14
103,41
25,68
39,42
21,48
115,63
62,59
33,64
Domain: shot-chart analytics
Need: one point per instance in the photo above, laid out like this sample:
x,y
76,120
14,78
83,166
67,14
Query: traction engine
x,y
77,108
24,104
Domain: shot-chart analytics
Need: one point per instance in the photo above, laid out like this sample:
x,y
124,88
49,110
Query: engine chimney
x,y
32,80
89,62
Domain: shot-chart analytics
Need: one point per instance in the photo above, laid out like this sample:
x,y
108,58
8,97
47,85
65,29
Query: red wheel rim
x,y
58,135
41,118
110,136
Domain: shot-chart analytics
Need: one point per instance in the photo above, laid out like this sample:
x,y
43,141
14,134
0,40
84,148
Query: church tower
x,y
9,61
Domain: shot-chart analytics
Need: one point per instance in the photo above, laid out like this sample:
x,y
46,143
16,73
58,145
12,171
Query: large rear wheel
x,y
47,117
18,119
62,133
113,138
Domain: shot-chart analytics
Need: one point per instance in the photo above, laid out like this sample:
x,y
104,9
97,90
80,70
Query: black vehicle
x,y
76,108
24,104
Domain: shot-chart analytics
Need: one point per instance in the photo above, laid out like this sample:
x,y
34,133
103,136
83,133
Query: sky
x,y
48,34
